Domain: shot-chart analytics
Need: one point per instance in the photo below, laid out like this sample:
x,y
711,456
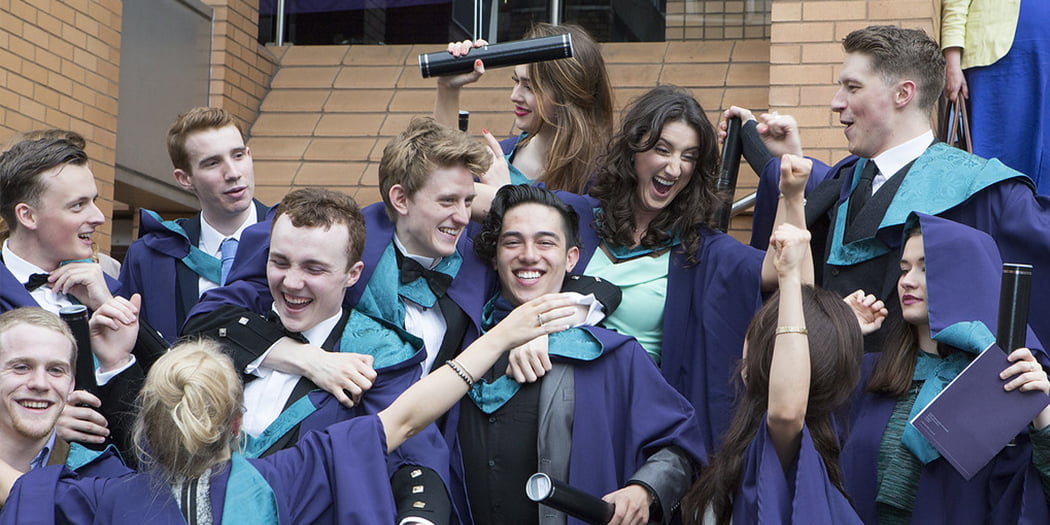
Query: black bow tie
x,y
37,280
275,318
412,270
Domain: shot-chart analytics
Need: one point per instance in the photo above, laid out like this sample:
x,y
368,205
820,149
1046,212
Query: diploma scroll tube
x,y
728,171
497,55
543,489
1016,288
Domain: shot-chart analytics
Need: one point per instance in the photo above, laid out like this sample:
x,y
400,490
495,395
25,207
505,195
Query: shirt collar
x,y
427,262
892,160
211,239
320,332
42,458
20,268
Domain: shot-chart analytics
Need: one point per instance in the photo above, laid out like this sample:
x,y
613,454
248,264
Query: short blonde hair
x,y
423,147
36,316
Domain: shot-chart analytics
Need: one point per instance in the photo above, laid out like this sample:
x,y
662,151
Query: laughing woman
x,y
689,291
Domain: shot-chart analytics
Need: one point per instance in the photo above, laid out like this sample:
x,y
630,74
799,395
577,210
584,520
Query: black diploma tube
x,y
1013,306
76,316
464,120
727,173
541,488
514,53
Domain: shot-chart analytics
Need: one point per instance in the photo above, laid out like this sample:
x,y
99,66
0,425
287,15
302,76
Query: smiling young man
x,y
37,355
419,275
47,199
889,83
37,358
316,240
602,419
174,262
48,203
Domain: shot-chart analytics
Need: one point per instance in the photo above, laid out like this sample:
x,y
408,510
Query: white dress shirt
x,y
891,161
265,397
44,296
427,324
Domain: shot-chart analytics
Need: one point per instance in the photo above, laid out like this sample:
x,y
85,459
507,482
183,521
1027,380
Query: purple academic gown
x,y
153,268
427,448
319,409
962,284
706,313
247,287
1008,210
624,412
803,495
336,476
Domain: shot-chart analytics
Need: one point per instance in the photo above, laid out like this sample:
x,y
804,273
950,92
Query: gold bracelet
x,y
791,330
461,372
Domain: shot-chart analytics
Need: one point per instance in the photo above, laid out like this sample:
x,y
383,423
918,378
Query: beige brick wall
x,y
806,55
241,68
59,69
332,109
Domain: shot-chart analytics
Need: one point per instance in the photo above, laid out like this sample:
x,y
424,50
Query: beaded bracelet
x,y
461,372
791,330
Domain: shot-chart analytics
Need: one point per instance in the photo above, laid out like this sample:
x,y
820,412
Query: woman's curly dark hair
x,y
616,184
511,196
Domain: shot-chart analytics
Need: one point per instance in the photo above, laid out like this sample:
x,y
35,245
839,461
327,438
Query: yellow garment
x,y
983,28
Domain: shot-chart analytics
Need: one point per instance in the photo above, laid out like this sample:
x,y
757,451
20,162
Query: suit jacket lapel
x,y
870,216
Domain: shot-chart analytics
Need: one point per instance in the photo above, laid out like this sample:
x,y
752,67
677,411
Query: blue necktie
x,y
228,249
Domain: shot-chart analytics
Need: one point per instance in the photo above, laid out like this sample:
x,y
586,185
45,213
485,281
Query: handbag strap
x,y
959,126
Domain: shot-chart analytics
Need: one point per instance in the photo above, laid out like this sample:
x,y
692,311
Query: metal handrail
x,y
743,204
280,23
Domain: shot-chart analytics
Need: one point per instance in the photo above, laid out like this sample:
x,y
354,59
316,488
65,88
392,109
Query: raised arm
x,y
433,395
446,106
794,173
789,373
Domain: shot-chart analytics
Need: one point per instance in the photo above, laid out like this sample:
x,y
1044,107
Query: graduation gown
x,y
621,413
310,409
153,267
946,182
803,495
336,476
118,395
706,313
962,284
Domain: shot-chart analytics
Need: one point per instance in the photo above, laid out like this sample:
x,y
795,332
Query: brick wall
x,y
717,19
59,69
332,109
806,55
241,68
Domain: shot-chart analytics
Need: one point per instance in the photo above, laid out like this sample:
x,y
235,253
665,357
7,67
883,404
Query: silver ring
x,y
539,319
